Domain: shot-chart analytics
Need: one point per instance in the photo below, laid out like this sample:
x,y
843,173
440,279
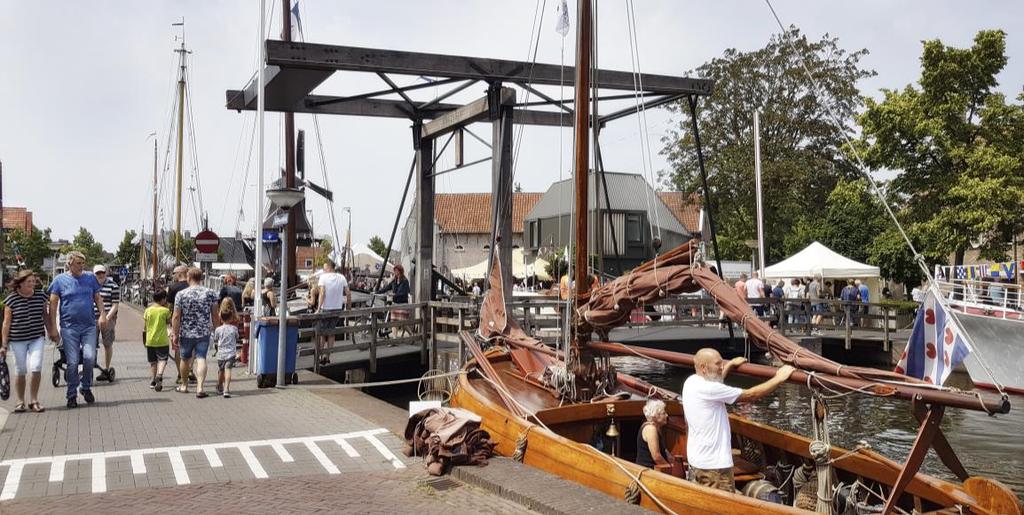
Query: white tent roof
x,y
519,268
363,257
819,260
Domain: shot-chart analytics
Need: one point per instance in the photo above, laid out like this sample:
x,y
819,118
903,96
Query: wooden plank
x,y
472,112
925,436
312,56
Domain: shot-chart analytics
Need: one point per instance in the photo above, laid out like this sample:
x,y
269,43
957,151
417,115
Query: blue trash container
x,y
266,365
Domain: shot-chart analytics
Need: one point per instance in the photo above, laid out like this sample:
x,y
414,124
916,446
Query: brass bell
x,y
613,431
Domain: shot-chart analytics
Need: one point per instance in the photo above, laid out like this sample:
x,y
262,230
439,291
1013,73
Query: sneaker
x,y
152,384
102,376
159,384
73,403
227,395
220,389
88,396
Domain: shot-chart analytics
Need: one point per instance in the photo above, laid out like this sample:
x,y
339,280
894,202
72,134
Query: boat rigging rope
x,y
820,450
862,168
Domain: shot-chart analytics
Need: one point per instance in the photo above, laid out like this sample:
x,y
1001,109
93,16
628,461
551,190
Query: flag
x,y
296,20
935,346
562,19
960,272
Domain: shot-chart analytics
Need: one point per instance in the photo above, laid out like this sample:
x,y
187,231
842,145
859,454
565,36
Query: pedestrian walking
x,y
269,299
850,295
741,286
225,339
333,296
230,290
817,306
195,313
111,294
74,294
249,293
26,323
177,285
862,290
755,288
156,338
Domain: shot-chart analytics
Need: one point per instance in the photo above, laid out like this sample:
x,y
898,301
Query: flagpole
x,y
258,240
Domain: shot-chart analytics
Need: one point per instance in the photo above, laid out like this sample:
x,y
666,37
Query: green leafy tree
x,y
890,253
959,147
33,246
323,253
183,251
86,243
801,154
128,250
377,245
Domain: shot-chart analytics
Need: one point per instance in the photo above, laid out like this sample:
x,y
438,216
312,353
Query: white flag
x,y
562,23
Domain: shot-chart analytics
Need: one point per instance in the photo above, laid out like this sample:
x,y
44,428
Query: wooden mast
x,y
155,258
181,155
581,275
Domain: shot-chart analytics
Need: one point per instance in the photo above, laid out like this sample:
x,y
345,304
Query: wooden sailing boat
x,y
575,417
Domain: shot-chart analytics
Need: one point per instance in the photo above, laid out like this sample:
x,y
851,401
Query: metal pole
x,y
289,149
760,203
282,307
156,259
258,230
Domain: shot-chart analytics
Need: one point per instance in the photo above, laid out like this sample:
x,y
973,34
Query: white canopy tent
x,y
818,260
362,257
519,268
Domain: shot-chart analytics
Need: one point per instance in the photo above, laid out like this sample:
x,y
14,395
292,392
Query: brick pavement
x,y
407,491
129,416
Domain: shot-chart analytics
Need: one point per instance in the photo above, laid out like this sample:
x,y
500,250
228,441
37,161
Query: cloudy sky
x,y
85,83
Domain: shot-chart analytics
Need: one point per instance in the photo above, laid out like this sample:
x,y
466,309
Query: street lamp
x,y
285,198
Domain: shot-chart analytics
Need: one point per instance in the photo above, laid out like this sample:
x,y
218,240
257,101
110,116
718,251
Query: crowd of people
x,y
805,300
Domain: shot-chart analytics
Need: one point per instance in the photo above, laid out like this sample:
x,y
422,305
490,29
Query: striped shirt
x,y
26,315
111,294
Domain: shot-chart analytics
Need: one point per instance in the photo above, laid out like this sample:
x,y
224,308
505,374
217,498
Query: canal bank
x,y
312,447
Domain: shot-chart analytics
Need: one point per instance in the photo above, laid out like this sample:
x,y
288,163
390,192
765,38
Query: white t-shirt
x,y
334,285
708,440
755,288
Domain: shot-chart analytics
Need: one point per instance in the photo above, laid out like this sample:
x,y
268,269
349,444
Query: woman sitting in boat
x,y
650,446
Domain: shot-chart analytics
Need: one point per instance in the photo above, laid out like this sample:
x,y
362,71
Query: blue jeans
x,y
79,348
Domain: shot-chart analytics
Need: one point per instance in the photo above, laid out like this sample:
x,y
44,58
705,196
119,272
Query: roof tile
x,y
470,213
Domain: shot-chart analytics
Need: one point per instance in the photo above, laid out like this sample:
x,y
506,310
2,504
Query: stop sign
x,y
207,241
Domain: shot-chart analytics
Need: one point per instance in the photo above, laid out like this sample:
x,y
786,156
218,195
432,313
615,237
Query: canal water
x,y
990,446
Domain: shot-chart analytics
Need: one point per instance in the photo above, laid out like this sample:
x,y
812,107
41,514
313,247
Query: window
x,y
309,263
515,246
460,248
634,232
487,247
534,234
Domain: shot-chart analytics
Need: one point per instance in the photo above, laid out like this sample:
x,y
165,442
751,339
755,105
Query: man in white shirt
x,y
333,296
755,290
709,438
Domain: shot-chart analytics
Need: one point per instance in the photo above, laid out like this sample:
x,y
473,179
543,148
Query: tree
x,y
323,253
33,247
86,243
890,253
183,252
377,245
801,154
959,148
128,250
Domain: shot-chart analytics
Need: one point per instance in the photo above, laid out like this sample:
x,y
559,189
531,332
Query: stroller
x,y
61,364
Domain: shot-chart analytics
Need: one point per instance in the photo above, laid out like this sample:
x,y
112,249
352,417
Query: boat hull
x,y
999,342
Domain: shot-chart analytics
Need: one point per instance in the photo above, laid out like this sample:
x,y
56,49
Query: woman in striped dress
x,y
26,323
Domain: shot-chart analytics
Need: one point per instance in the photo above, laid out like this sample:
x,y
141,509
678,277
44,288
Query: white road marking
x,y
351,451
327,464
138,463
99,475
12,481
212,457
137,456
254,464
57,470
282,453
178,467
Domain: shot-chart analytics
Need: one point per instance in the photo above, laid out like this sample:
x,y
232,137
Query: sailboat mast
x,y
181,137
155,258
584,44
289,152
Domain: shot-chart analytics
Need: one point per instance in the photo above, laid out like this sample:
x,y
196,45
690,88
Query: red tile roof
x,y
470,213
686,207
17,218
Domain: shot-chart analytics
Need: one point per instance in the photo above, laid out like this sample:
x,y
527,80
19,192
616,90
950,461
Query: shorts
x,y
106,337
226,363
721,479
28,355
154,354
330,321
197,347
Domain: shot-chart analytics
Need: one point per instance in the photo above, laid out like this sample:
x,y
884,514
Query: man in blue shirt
x,y
78,292
862,289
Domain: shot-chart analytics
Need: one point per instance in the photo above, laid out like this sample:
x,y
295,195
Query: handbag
x,y
5,380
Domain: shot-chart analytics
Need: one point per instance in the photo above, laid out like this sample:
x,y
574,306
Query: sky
x,y
84,84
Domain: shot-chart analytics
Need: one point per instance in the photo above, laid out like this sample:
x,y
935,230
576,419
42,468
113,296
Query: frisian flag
x,y
935,346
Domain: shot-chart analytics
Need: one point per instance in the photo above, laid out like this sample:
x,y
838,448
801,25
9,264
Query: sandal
x,y
36,407
181,389
19,407
202,395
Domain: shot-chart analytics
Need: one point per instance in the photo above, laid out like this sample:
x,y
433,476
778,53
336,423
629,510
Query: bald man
x,y
709,438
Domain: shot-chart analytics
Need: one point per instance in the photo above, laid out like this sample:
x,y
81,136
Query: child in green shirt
x,y
157,317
